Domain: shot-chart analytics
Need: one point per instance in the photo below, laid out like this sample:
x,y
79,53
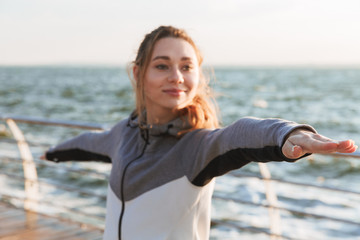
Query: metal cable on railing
x,y
297,212
72,210
50,122
57,185
30,143
247,175
81,171
252,229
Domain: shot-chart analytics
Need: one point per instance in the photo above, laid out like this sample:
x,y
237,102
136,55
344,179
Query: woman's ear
x,y
135,72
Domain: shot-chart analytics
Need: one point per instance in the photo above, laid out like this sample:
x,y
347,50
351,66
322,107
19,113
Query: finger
x,y
298,151
292,151
346,144
350,149
356,148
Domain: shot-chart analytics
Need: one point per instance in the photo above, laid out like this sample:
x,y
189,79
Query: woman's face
x,y
171,79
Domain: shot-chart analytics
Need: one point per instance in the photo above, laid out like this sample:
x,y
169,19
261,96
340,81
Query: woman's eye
x,y
161,67
187,68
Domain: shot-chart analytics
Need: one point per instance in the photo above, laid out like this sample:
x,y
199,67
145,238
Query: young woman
x,y
166,154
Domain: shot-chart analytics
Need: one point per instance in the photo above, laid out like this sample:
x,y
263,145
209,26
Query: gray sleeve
x,y
247,140
85,147
89,146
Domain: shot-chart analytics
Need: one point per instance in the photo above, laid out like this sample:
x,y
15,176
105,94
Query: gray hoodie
x,y
161,184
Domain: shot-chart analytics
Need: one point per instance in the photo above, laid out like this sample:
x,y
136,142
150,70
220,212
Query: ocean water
x,y
327,99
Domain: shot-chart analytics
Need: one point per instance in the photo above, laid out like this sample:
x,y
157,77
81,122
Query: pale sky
x,y
229,32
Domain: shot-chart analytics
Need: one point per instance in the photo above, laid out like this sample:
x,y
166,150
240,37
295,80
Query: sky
x,y
228,32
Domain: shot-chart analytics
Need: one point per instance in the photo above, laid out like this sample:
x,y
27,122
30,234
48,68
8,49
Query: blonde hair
x,y
202,111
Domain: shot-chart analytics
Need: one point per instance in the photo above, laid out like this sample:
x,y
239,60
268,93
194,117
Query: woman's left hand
x,y
301,142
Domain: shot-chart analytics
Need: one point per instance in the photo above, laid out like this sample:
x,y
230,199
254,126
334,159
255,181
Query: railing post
x,y
274,214
29,167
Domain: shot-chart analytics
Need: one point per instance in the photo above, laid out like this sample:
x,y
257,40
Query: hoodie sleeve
x,y
89,146
247,140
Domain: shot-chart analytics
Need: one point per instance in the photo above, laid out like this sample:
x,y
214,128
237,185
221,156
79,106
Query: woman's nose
x,y
176,76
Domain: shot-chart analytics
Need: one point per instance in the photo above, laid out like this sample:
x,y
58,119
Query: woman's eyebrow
x,y
161,57
186,59
168,58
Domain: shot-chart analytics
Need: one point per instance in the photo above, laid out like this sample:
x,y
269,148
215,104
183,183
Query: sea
x,y
326,98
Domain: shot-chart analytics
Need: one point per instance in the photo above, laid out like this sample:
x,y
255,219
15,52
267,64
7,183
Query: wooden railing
x,y
34,202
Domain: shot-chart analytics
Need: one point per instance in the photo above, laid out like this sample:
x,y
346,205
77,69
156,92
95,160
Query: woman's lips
x,y
174,92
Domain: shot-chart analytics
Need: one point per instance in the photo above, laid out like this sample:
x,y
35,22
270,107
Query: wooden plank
x,y
9,213
23,223
19,224
46,232
92,235
80,234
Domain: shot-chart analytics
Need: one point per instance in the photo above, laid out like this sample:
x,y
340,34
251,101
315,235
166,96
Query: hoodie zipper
x,y
145,137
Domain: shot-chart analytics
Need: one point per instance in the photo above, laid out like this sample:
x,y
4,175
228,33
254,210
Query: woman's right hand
x,y
301,142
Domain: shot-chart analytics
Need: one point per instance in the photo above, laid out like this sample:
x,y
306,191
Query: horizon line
x,y
225,66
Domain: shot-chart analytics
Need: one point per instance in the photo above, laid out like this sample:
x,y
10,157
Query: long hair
x,y
202,111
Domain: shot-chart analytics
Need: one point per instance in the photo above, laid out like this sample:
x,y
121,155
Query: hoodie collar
x,y
172,128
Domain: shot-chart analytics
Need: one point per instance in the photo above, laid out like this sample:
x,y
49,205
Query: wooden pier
x,y
18,224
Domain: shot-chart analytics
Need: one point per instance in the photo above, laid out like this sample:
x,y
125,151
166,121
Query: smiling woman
x,y
166,154
168,79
